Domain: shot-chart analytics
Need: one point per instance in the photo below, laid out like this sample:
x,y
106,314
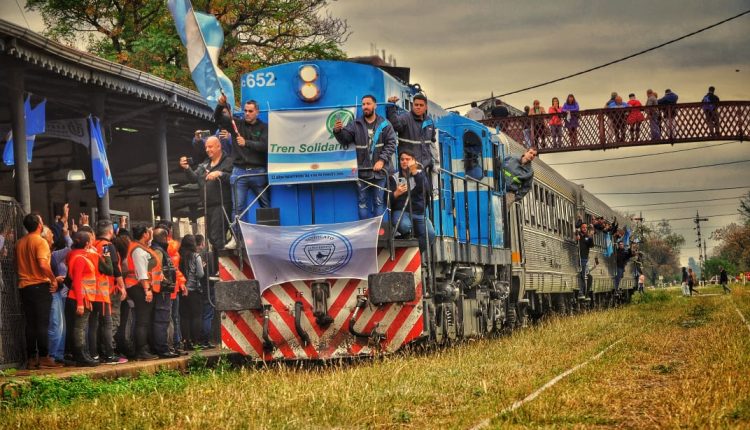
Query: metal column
x,y
18,120
98,110
165,212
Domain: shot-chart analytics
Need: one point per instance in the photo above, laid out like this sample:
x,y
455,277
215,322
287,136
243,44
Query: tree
x,y
712,266
661,249
744,209
141,33
734,244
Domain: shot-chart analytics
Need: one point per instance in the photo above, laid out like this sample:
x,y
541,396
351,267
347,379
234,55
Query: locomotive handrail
x,y
610,127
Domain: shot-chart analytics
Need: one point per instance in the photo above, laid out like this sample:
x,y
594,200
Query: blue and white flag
x,y
302,148
626,237
324,251
609,248
203,37
99,162
35,124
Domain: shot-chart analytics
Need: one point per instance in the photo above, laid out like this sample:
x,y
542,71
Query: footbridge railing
x,y
618,127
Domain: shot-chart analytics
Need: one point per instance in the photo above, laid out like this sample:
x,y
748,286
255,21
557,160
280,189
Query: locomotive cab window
x,y
473,155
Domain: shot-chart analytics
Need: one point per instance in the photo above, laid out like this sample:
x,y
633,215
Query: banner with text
x,y
302,148
324,251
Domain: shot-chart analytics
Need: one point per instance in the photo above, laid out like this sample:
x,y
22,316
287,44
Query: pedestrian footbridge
x,y
617,127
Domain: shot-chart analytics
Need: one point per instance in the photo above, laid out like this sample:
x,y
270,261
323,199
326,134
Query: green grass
x,y
693,377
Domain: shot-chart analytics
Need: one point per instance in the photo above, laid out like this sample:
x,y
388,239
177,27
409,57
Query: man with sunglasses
x,y
250,154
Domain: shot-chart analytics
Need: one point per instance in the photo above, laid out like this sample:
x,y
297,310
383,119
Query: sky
x,y
462,50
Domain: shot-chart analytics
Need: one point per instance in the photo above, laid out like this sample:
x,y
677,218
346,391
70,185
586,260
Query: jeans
x,y
618,277
57,326
419,223
371,199
116,304
527,137
208,312
161,320
36,301
142,310
246,189
584,274
655,122
176,328
100,315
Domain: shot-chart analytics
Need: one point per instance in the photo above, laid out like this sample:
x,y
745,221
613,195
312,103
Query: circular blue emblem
x,y
320,252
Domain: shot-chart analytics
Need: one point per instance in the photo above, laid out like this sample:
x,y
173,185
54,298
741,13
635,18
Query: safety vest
x,y
511,176
154,268
88,283
107,281
173,250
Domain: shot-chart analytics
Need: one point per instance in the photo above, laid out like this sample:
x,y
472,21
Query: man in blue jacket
x,y
375,141
669,112
416,131
409,186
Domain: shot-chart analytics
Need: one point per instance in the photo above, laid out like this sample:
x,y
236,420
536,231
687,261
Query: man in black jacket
x,y
409,186
724,280
416,131
162,313
212,175
375,141
710,108
250,155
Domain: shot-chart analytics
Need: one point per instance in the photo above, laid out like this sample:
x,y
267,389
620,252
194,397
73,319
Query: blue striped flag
x,y
203,37
35,124
99,163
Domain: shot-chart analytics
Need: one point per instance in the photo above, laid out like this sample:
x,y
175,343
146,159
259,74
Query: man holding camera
x,y
409,186
375,141
212,176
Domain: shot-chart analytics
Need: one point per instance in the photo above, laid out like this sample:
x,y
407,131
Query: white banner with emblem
x,y
302,148
324,251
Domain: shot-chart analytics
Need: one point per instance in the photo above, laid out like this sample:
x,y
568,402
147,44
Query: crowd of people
x,y
625,119
106,294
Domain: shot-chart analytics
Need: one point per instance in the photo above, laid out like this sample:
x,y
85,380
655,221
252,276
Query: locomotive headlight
x,y
308,73
309,91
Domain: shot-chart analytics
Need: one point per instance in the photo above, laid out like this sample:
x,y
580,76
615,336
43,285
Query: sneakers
x,y
49,363
232,244
114,360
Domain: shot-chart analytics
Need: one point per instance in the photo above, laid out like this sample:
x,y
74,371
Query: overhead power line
x,y
619,60
672,208
660,171
693,217
670,191
640,156
674,203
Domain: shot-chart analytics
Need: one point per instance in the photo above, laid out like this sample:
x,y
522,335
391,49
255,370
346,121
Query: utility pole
x,y
701,251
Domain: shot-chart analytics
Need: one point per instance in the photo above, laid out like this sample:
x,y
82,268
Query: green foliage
x,y
734,245
141,33
713,264
661,249
49,391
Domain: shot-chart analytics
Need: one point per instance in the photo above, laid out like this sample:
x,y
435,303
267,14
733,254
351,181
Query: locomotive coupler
x,y
298,324
267,343
320,294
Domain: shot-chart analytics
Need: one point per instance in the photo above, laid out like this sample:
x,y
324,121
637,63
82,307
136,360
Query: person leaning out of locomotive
x,y
622,256
518,175
173,250
143,275
250,158
375,142
162,314
212,176
585,240
409,186
416,131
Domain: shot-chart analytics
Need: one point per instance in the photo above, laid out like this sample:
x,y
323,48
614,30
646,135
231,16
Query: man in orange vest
x,y
142,276
162,299
115,287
